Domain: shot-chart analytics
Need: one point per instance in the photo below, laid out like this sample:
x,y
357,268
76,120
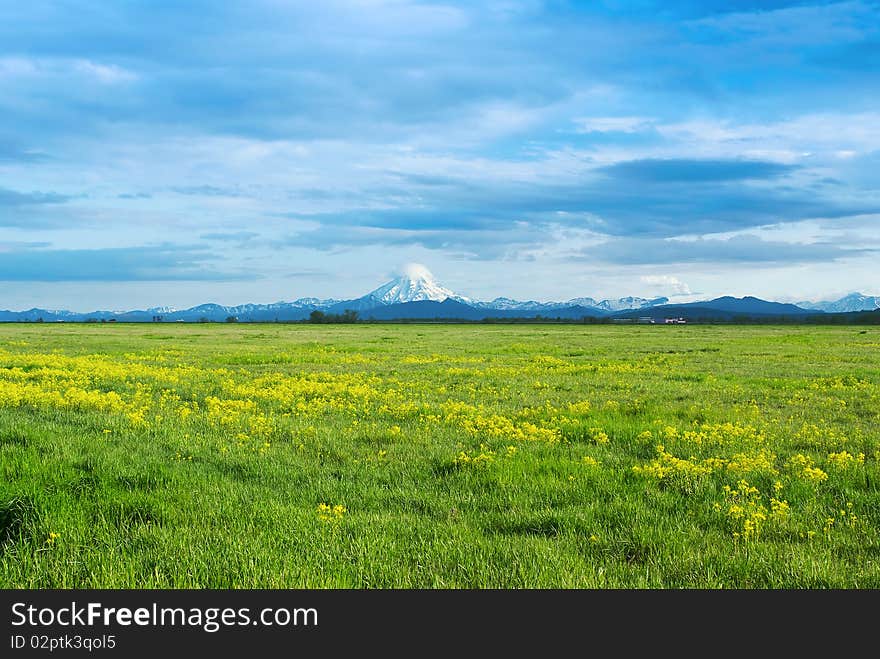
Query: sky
x,y
177,153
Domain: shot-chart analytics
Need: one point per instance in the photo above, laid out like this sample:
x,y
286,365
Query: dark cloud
x,y
613,206
684,170
147,263
14,199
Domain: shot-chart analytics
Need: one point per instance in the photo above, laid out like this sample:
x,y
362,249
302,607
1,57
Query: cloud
x,y
862,55
237,236
738,249
666,283
13,245
57,67
808,134
685,170
121,264
413,220
105,73
707,8
206,191
477,244
12,153
283,70
29,210
715,201
622,124
13,198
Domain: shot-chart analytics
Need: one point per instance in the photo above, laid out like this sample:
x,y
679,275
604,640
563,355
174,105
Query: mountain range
x,y
415,293
851,302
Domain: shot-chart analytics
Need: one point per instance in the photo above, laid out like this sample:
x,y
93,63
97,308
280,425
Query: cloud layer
x,y
243,141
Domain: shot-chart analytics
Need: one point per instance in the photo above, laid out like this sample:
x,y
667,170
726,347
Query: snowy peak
x,y
630,302
620,304
582,302
414,284
314,302
508,304
851,302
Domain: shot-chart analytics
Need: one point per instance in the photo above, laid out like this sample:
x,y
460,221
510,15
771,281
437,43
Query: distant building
x,y
646,320
675,321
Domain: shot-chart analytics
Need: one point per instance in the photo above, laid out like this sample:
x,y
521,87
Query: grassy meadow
x,y
439,456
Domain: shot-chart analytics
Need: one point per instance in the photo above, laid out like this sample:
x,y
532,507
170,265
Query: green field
x,y
439,456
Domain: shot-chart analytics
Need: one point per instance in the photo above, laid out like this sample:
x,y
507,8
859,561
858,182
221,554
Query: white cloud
x,y
612,124
17,66
666,283
54,67
104,73
839,134
790,26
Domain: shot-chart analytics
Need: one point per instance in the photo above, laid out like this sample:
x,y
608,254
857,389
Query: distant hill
x,y
722,308
748,305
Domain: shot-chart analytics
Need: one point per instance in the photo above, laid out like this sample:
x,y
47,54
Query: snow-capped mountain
x,y
630,302
312,302
584,302
417,284
414,284
851,302
506,303
620,304
416,293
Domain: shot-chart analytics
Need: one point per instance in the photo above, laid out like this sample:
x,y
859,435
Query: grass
x,y
541,456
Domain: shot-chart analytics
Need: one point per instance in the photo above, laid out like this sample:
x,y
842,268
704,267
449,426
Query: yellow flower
x,y
599,436
328,513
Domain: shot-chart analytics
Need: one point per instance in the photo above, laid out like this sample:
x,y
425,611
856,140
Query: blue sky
x,y
175,153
